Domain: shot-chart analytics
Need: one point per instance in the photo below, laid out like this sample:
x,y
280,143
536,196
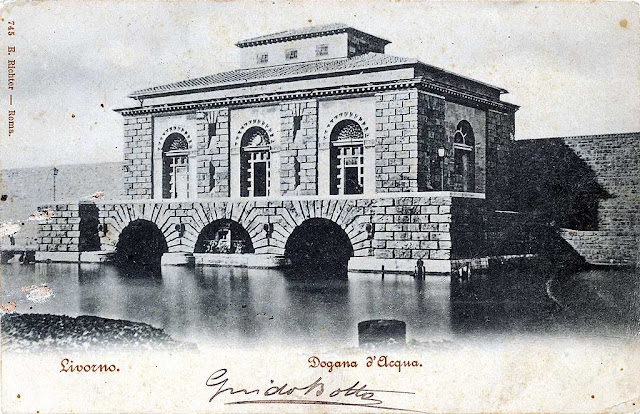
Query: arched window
x,y
175,167
255,167
224,236
347,158
464,157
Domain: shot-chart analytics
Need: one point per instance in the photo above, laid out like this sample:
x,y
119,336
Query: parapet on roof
x,y
306,32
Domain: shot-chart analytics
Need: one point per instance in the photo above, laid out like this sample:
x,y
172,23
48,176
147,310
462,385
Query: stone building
x,y
318,134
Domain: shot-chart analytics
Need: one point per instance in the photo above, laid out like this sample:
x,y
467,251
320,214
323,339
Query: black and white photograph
x,y
320,207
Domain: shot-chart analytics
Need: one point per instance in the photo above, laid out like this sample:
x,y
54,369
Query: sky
x,y
574,68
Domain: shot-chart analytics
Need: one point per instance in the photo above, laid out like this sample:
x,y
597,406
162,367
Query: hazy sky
x,y
574,68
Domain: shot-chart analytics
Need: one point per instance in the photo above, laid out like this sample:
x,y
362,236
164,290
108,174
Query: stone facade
x,y
413,227
213,153
340,130
299,148
138,153
381,229
500,130
61,233
397,141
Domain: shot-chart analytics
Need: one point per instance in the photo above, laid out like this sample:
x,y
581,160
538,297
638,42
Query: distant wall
x,y
27,188
588,185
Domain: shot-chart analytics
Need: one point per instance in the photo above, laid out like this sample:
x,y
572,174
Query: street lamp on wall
x,y
55,173
441,153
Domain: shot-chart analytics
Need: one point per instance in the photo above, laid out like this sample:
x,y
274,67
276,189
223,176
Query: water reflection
x,y
252,307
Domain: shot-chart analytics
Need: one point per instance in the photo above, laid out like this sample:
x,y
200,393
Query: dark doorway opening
x,y
141,243
89,222
260,182
224,236
318,246
352,181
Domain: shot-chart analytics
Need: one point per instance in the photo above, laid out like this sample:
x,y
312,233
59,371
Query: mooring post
x,y
420,269
382,272
387,332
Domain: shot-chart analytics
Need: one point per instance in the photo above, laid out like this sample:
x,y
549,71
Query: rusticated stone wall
x,y
500,137
299,148
405,227
412,228
397,142
61,232
589,186
213,153
138,154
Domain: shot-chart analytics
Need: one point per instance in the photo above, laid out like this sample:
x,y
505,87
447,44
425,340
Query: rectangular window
x,y
291,54
322,50
263,58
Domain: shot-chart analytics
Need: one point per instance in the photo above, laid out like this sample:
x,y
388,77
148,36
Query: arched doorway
x,y
141,243
464,157
320,244
175,167
347,158
224,236
255,168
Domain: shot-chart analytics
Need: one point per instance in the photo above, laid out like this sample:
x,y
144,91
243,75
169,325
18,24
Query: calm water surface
x,y
252,307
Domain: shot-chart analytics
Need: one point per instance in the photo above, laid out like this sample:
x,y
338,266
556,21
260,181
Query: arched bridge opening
x,y
318,246
224,236
141,243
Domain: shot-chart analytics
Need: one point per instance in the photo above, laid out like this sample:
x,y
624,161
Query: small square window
x,y
263,58
322,50
291,54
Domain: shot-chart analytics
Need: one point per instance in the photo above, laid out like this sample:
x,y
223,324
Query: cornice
x,y
369,88
298,36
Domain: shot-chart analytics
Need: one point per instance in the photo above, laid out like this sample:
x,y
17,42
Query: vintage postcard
x,y
319,206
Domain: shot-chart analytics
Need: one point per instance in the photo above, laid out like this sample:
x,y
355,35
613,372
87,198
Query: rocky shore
x,y
44,332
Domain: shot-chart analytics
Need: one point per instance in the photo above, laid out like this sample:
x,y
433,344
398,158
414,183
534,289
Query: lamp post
x,y
55,172
441,153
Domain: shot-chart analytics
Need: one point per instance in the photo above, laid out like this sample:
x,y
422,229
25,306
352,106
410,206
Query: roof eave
x,y
207,88
251,42
488,85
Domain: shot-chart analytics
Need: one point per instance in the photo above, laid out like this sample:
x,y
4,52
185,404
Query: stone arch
x,y
188,173
173,130
328,175
463,157
243,213
318,243
175,167
236,173
140,243
224,236
347,214
346,162
237,143
255,162
180,232
345,116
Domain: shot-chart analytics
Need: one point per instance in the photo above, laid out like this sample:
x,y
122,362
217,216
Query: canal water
x,y
254,307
